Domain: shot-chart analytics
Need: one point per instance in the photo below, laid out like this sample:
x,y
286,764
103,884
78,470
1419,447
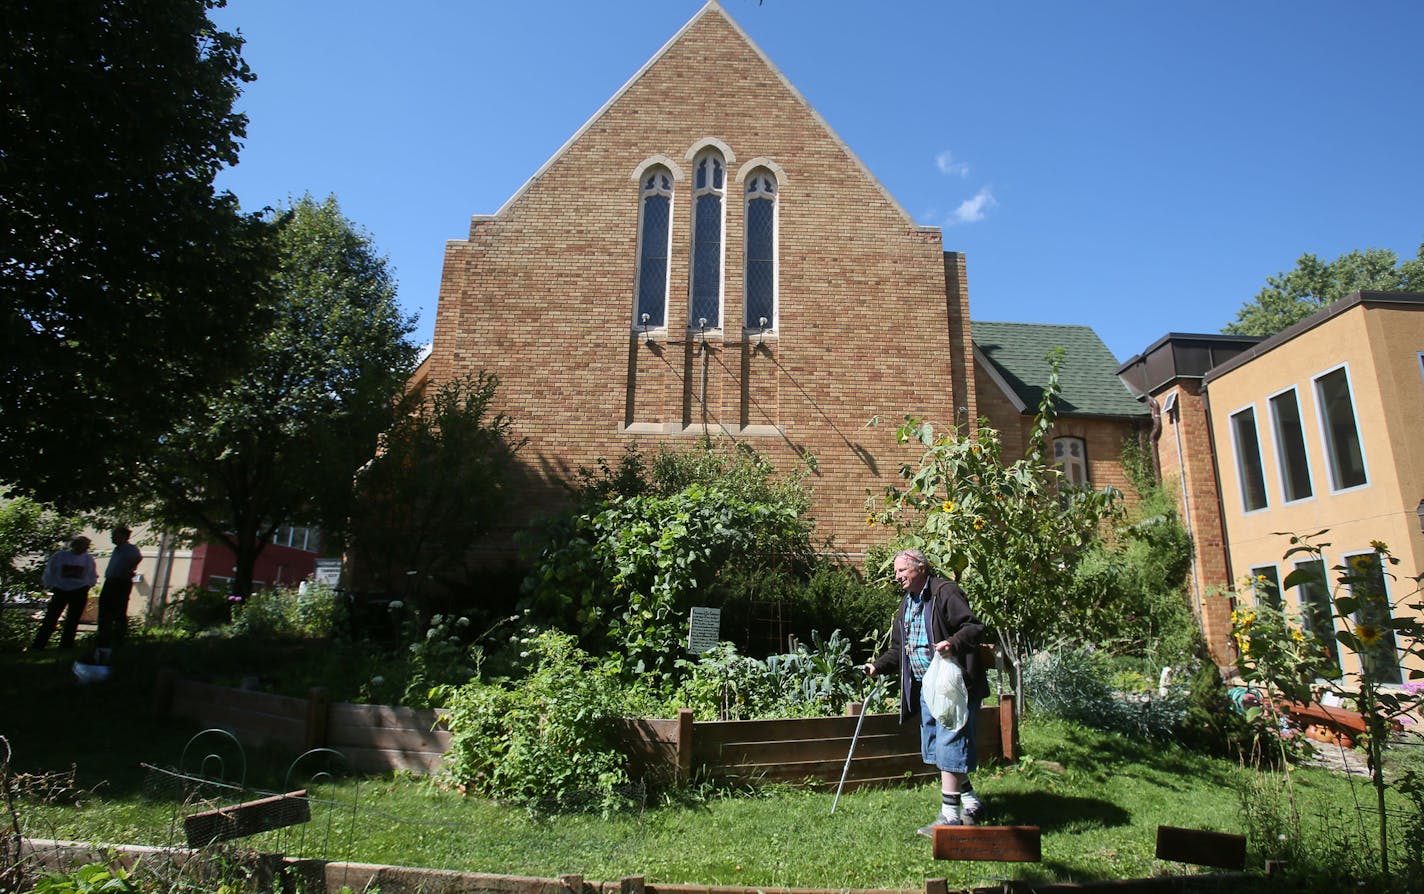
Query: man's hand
x,y
868,669
945,648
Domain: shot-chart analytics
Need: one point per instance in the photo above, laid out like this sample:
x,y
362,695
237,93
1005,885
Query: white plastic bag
x,y
945,693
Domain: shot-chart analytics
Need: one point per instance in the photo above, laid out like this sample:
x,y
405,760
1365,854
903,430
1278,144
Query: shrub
x,y
548,742
627,562
1076,685
289,612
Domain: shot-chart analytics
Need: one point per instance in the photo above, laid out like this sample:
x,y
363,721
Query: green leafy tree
x,y
436,487
125,280
280,441
1296,294
1010,533
29,532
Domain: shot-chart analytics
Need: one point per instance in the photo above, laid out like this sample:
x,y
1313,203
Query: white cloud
x,y
972,210
947,165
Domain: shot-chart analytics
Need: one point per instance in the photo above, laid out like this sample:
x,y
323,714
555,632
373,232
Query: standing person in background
x,y
118,584
68,575
935,617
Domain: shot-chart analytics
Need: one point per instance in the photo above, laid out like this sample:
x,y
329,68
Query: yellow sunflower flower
x,y
1369,635
947,506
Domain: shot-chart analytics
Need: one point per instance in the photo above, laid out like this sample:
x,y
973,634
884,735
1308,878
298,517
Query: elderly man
x,y
935,617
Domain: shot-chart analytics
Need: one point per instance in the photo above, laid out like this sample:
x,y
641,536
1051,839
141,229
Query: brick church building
x,y
705,256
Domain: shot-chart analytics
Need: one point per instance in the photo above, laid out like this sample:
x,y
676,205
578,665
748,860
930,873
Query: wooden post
x,y
571,884
318,703
1008,728
853,709
631,884
936,886
163,692
684,744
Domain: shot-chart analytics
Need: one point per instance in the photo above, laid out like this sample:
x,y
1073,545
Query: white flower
x,y
378,680
395,605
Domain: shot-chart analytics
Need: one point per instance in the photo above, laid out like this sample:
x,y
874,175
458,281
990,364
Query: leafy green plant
x,y
624,569
199,608
94,878
317,612
547,742
814,681
1283,658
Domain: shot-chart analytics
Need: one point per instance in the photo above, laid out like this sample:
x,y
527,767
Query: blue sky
x,y
1139,167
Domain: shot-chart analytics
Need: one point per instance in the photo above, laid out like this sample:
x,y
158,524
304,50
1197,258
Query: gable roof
x,y
1013,354
712,8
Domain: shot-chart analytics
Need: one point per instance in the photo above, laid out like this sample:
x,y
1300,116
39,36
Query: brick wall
x,y
542,295
1184,452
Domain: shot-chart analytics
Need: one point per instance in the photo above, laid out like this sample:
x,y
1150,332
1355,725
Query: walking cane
x,y
864,706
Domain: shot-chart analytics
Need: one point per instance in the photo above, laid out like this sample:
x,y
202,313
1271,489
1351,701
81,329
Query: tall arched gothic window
x,y
761,251
654,234
708,188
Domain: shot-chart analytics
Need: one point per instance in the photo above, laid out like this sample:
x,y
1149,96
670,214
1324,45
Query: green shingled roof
x,y
1016,352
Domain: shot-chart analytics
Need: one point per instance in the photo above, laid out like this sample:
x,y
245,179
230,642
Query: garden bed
x,y
380,738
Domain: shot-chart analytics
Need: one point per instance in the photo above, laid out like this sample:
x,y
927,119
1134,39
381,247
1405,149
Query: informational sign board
x,y
328,571
704,629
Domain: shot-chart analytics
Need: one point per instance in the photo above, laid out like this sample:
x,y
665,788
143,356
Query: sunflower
x,y
947,506
1369,635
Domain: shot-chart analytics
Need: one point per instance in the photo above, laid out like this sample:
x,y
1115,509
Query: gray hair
x,y
915,556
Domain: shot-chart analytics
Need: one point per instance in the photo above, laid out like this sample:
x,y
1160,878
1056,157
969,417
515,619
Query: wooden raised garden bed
x,y
379,738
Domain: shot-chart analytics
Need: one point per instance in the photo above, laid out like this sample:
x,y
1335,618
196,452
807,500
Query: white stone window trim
x,y
678,175
729,157
1325,439
708,148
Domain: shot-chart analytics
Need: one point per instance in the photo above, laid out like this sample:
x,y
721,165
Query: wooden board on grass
x,y
1008,844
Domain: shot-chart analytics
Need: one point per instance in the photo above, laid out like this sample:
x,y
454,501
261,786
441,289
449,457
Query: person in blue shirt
x,y
934,617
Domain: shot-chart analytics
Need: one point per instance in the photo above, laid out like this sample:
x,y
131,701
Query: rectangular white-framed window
x,y
1291,454
1379,653
1317,610
297,537
1249,472
1340,432
1266,586
1070,455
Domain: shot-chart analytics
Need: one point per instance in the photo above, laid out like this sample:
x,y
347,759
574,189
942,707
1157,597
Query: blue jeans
x,y
952,752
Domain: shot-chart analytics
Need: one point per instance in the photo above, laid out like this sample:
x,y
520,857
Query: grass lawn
x,y
1097,797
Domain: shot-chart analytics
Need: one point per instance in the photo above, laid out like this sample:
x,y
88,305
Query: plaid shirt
x,y
917,638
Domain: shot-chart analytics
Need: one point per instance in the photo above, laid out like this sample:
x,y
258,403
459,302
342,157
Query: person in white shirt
x,y
68,575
